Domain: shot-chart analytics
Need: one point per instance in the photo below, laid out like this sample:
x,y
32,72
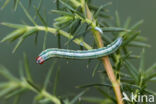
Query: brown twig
x,y
106,62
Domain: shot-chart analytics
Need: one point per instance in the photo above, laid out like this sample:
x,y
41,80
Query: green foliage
x,y
72,23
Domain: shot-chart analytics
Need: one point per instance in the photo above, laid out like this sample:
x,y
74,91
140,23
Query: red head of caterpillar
x,y
39,60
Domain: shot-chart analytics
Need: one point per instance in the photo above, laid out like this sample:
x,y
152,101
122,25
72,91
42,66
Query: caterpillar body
x,y
79,54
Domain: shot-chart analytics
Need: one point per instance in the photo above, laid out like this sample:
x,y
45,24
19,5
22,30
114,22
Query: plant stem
x,y
43,93
65,34
106,62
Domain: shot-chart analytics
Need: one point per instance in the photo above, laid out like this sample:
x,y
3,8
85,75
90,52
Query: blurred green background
x,y
73,72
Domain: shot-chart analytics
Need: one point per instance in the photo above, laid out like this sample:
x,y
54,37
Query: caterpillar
x,y
79,54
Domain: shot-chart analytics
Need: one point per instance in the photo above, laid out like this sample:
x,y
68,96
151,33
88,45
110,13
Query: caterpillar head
x,y
39,60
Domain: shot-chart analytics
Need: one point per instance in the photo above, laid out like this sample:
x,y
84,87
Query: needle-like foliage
x,y
72,23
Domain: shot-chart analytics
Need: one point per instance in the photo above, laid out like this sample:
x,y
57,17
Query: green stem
x,y
24,84
138,90
63,33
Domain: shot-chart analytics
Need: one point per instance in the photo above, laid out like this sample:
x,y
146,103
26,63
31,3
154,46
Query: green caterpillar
x,y
79,54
